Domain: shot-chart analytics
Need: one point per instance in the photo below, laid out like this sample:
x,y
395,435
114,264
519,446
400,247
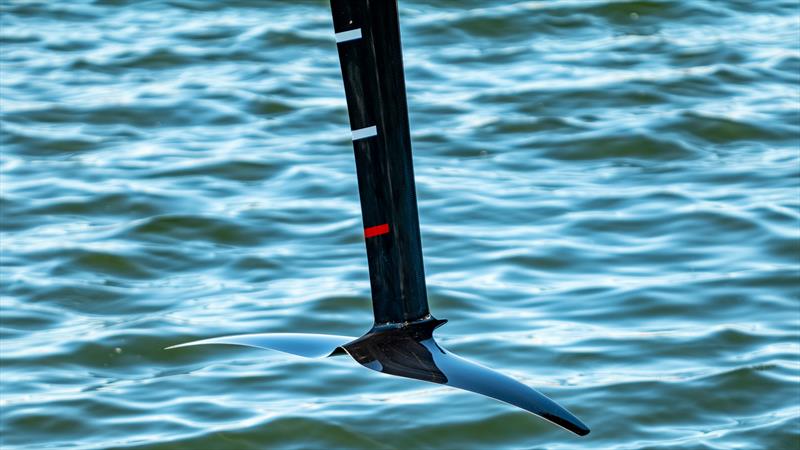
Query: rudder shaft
x,y
368,39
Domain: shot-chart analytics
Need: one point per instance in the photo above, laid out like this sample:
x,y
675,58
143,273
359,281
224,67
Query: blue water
x,y
609,195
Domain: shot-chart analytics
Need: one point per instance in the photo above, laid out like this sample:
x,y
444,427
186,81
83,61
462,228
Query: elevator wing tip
x,y
306,345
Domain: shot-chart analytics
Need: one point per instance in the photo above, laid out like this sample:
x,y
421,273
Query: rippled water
x,y
610,206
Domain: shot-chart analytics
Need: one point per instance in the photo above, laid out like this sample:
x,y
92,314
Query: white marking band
x,y
349,35
364,133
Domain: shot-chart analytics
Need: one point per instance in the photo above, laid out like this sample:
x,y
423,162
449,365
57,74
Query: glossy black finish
x,y
372,69
410,351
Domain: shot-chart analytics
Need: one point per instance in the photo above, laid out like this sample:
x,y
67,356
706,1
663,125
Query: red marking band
x,y
376,230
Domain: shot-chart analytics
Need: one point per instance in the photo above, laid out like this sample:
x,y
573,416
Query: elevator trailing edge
x,y
400,341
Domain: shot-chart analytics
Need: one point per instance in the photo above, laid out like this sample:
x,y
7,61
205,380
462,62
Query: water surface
x,y
609,198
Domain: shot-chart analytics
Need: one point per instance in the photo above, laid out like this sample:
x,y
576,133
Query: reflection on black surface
x,y
399,351
307,345
410,351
